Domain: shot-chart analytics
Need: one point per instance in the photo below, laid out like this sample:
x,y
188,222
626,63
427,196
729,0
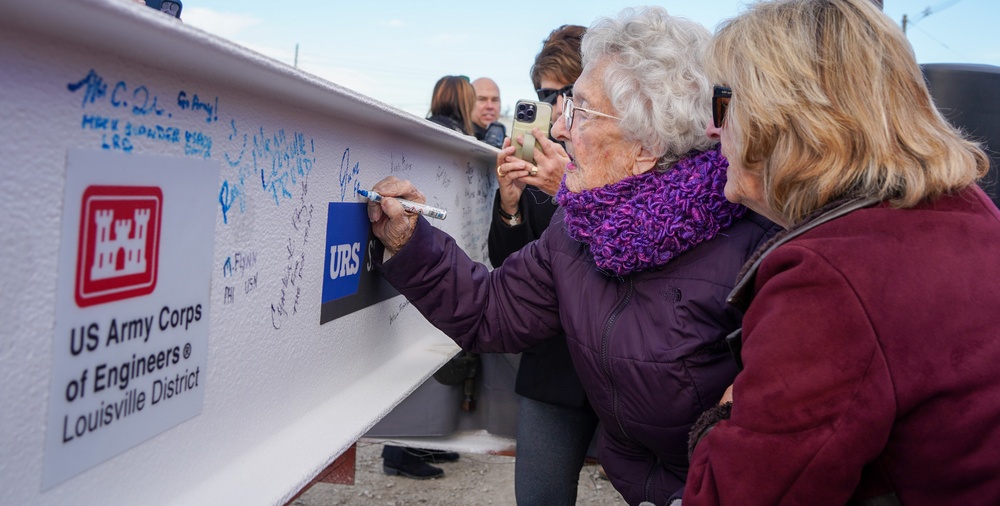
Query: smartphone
x,y
172,7
529,114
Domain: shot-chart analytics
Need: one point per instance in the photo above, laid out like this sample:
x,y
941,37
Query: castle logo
x,y
118,249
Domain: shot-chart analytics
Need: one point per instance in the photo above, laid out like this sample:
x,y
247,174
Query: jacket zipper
x,y
605,361
649,479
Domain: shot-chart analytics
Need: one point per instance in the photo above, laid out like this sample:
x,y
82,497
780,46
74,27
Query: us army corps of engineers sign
x,y
132,312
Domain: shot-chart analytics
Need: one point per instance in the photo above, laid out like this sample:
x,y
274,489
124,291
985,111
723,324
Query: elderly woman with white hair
x,y
638,262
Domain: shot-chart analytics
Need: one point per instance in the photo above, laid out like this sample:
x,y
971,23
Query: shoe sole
x,y
439,461
396,472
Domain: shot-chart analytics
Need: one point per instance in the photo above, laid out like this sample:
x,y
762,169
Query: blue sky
x,y
394,51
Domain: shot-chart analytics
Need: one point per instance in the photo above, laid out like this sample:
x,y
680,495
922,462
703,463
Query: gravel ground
x,y
475,480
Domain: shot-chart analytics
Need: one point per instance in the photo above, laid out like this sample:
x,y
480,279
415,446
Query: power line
x,y
927,12
946,46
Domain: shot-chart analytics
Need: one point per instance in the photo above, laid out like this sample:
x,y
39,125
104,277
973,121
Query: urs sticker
x,y
350,282
119,242
346,235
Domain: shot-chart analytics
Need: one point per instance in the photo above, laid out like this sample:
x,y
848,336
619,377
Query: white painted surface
x,y
279,405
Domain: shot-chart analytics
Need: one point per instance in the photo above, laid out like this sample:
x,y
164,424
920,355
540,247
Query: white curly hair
x,y
655,78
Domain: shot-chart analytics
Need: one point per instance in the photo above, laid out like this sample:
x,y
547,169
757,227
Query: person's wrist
x,y
550,189
510,218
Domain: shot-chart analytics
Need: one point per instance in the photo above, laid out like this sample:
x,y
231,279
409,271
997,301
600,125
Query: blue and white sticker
x,y
350,282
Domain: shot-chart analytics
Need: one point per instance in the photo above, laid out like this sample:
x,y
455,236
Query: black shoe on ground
x,y
433,456
412,467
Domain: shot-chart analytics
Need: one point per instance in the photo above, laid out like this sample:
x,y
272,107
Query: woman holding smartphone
x,y
555,422
524,204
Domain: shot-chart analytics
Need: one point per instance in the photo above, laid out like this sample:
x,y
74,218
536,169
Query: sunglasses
x,y
550,96
721,96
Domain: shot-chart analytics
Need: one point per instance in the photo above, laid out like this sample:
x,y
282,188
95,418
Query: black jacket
x,y
447,121
492,134
546,372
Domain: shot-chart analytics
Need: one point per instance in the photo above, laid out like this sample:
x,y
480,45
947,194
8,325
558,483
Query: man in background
x,y
484,117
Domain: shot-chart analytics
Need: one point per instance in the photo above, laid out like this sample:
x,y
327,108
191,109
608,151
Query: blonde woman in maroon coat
x,y
871,338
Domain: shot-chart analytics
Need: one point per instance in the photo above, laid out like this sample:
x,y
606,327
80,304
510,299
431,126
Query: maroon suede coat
x,y
872,364
649,348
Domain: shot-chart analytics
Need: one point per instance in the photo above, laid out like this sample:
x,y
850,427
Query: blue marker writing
x,y
409,206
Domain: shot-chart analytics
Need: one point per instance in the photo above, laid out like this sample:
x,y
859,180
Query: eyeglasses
x,y
569,109
721,96
550,95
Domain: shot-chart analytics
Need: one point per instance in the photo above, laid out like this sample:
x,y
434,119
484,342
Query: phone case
x,y
529,114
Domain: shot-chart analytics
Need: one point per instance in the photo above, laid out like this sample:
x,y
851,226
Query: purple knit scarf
x,y
643,221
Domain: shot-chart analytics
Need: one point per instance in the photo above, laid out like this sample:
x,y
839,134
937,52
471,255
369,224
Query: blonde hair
x,y
829,102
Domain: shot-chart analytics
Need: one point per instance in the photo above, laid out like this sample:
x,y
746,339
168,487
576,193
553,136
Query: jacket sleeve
x,y
814,402
506,310
503,239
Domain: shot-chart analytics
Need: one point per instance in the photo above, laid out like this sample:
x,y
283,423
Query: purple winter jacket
x,y
649,348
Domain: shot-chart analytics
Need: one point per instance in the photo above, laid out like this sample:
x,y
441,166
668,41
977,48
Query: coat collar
x,y
742,293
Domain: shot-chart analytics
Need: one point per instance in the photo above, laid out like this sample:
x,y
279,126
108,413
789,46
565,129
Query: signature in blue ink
x,y
141,104
233,135
195,103
121,134
289,161
198,144
279,161
170,135
348,174
93,85
95,122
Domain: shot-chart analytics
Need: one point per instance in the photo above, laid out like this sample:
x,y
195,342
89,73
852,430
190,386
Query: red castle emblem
x,y
118,249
